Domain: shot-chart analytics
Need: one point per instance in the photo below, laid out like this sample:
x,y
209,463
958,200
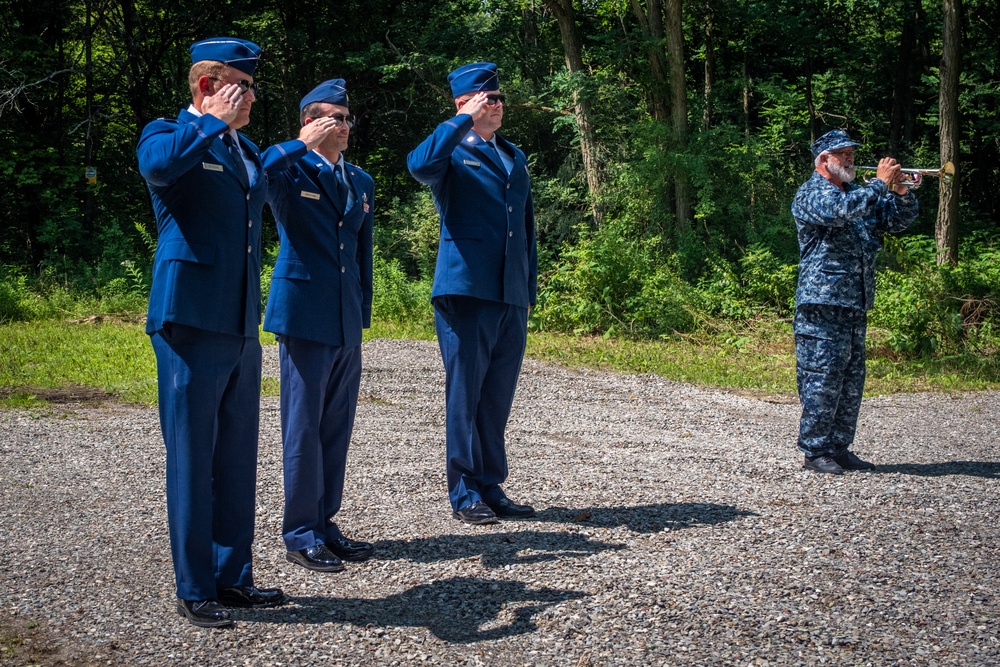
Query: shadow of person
x,y
457,610
647,518
987,469
496,548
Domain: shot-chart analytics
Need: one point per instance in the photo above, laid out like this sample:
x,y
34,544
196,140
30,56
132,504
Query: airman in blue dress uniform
x,y
840,229
484,283
320,300
208,184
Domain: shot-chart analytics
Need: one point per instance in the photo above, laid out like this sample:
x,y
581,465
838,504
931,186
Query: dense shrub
x,y
927,309
613,284
396,298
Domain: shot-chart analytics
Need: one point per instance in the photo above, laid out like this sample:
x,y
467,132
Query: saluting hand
x,y
475,106
316,130
224,104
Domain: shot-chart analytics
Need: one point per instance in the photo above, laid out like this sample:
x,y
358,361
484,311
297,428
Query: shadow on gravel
x,y
496,549
647,518
988,469
458,610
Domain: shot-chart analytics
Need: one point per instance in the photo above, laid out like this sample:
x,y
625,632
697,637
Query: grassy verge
x,y
104,358
111,358
91,359
757,361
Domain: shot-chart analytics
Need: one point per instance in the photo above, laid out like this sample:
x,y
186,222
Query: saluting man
x,y
208,184
484,284
320,300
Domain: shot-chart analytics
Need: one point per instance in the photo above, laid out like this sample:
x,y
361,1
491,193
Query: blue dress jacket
x,y
487,248
839,235
322,284
206,269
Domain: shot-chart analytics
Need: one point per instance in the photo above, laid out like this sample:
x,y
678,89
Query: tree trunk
x,y
814,125
946,229
651,24
902,97
706,115
678,108
566,19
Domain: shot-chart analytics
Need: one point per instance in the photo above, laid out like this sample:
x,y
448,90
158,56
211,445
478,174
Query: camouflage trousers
x,y
830,373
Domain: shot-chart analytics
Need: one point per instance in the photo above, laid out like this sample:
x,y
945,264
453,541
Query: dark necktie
x,y
496,151
234,150
341,187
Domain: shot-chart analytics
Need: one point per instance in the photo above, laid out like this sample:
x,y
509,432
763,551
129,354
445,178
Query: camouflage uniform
x,y
840,232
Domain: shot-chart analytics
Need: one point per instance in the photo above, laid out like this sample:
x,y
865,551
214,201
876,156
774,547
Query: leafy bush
x,y
614,284
17,303
395,297
760,282
408,231
927,309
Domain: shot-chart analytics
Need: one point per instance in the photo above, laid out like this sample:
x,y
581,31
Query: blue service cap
x,y
333,91
833,140
473,78
238,53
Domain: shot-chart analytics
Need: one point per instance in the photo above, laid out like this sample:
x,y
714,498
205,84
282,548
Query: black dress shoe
x,y
850,461
505,508
317,558
824,464
252,597
351,550
476,514
204,613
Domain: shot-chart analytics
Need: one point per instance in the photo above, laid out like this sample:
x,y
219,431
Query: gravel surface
x,y
675,527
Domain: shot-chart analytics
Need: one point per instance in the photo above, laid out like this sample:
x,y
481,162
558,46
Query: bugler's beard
x,y
845,174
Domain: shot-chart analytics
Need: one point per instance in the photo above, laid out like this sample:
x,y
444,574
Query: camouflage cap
x,y
833,140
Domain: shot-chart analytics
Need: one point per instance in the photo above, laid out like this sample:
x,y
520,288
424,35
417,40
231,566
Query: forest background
x,y
665,138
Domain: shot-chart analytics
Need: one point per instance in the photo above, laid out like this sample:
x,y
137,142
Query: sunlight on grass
x,y
100,359
115,357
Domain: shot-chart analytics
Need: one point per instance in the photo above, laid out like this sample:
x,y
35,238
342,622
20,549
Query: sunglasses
x,y
492,100
243,84
340,119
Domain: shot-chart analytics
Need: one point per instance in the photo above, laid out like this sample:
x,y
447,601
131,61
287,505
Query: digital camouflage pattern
x,y
830,373
840,232
839,236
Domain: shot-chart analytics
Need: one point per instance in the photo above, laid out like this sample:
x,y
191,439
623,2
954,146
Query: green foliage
x,y
17,302
408,231
613,283
758,282
395,298
926,309
780,74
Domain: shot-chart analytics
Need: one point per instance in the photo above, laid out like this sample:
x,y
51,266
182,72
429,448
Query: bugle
x,y
913,178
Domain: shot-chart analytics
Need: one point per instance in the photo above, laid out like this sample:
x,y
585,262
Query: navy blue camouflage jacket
x,y
839,235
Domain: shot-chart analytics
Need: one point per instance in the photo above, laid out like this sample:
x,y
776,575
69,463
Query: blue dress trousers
x,y
484,283
319,302
204,313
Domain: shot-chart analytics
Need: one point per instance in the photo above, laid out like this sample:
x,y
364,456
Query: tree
x,y
565,17
946,229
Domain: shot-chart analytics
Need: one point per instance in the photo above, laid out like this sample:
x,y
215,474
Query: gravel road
x,y
675,527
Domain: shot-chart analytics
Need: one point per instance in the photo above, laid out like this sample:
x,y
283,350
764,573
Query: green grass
x,y
51,358
100,359
760,360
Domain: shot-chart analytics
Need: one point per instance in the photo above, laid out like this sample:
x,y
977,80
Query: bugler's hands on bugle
x,y
891,173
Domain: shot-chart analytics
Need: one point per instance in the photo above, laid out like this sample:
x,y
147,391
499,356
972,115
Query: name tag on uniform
x,y
211,166
472,163
310,195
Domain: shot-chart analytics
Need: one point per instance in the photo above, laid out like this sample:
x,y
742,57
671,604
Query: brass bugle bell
x,y
913,178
